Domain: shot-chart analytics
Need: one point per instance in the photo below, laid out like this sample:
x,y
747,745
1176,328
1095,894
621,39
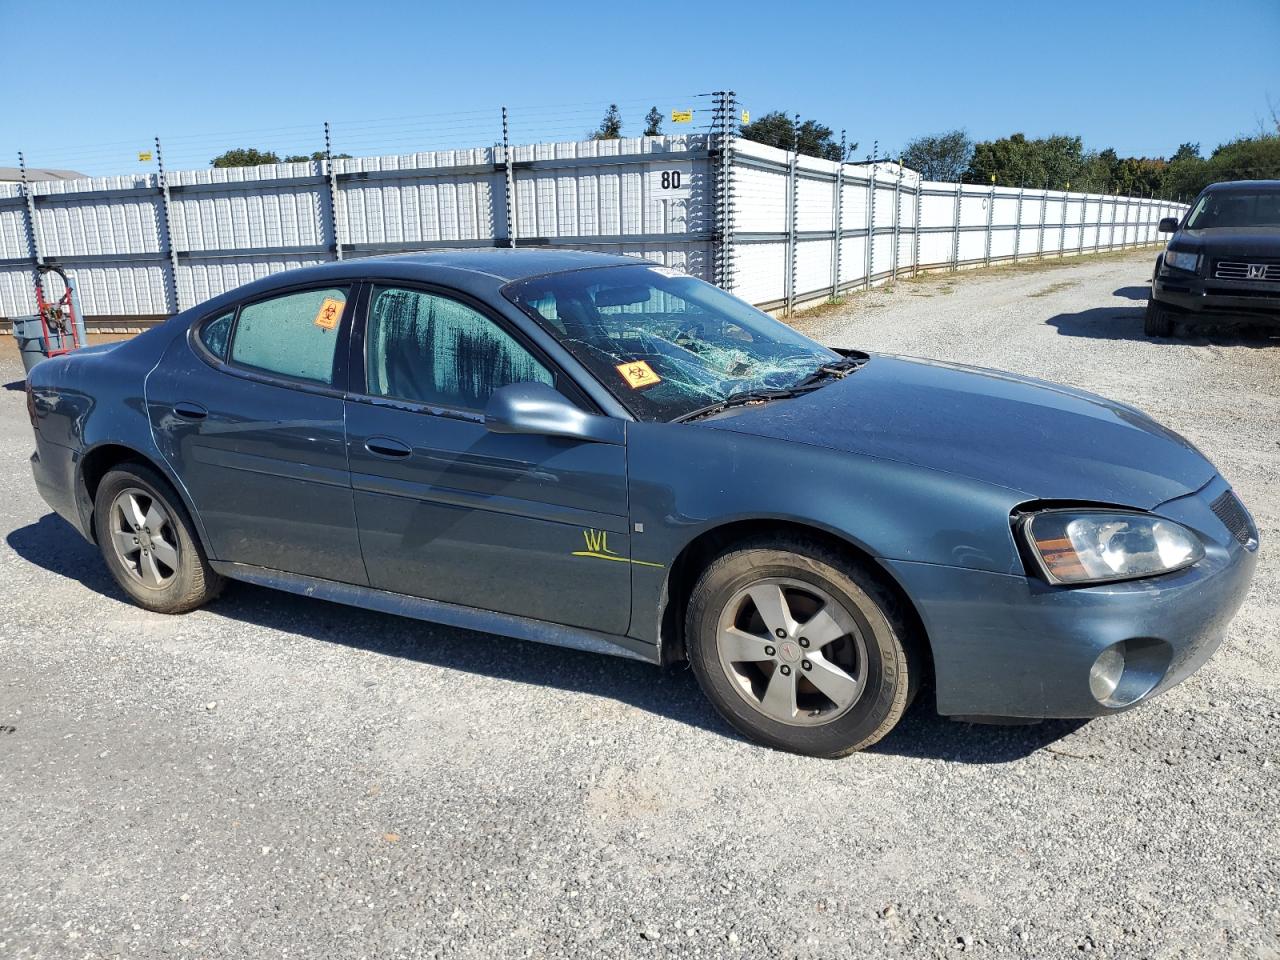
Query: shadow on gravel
x,y
1134,293
16,385
52,544
1125,323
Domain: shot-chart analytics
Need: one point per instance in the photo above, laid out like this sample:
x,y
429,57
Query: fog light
x,y
1105,674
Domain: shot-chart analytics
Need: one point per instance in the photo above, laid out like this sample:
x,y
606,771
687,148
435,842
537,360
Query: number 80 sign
x,y
671,181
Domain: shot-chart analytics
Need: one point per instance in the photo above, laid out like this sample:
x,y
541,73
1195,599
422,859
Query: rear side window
x,y
214,334
294,335
431,349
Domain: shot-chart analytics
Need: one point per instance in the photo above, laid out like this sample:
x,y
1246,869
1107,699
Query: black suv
x,y
1224,257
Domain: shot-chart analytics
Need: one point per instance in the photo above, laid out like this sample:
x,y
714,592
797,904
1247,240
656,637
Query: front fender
x,y
887,509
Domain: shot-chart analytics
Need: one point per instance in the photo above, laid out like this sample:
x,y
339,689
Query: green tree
x,y
939,156
315,155
245,157
611,126
1247,158
653,123
1016,161
777,129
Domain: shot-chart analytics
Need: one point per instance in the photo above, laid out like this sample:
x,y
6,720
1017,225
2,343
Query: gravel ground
x,y
275,776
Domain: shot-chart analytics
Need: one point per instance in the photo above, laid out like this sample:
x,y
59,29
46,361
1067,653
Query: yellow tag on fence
x,y
638,374
682,116
329,314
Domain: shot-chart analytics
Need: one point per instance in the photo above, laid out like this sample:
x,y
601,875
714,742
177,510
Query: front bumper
x,y
1014,646
1188,291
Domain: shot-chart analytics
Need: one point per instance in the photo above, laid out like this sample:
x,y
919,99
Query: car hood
x,y
1240,241
1045,441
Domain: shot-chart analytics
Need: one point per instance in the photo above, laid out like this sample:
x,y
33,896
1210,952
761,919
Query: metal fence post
x,y
166,231
1084,206
792,215
838,239
991,212
33,226
897,219
915,229
1062,227
510,181
955,236
1097,231
333,192
721,162
1044,206
869,265
1017,225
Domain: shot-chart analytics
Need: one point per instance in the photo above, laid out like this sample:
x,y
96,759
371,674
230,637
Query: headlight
x,y
1094,546
1182,260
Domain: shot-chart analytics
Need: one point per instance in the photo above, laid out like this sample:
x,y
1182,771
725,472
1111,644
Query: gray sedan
x,y
599,452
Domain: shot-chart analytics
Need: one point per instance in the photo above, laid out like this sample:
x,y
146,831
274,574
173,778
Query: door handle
x,y
388,448
190,411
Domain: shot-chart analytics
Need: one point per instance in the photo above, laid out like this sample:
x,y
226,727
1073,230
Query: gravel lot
x,y
275,776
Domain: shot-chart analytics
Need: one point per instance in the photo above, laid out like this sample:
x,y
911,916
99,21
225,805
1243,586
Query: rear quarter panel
x,y
87,399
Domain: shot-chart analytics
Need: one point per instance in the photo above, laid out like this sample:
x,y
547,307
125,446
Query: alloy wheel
x,y
144,538
792,651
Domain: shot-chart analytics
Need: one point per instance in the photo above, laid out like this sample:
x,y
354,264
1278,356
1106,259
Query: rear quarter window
x,y
215,333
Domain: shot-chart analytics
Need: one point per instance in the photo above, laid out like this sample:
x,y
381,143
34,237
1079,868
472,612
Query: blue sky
x,y
395,77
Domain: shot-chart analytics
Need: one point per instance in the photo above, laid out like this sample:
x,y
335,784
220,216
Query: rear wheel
x,y
800,648
1158,320
148,542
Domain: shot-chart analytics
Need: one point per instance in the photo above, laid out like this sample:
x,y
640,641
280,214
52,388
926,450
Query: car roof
x,y
478,272
1231,186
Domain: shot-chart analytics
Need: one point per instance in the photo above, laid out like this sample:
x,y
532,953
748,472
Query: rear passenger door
x,y
247,409
526,525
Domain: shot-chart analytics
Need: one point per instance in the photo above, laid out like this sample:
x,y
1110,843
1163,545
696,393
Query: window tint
x,y
293,335
430,349
214,334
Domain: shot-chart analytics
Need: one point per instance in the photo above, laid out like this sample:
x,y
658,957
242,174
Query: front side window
x,y
430,349
294,335
663,343
1236,208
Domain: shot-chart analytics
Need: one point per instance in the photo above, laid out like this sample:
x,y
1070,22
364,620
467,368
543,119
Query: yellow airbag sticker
x,y
329,314
638,374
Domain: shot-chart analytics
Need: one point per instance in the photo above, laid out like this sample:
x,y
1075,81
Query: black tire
x,y
1158,320
189,582
887,654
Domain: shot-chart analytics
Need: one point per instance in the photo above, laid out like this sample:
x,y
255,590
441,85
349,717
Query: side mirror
x,y
1168,225
537,409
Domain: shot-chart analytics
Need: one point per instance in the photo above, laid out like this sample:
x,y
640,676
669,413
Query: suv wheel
x,y
148,542
801,649
1158,320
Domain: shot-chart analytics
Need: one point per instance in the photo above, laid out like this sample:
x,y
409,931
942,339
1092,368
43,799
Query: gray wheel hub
x,y
792,651
144,538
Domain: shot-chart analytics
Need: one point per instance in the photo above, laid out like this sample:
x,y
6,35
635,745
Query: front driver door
x,y
247,410
526,525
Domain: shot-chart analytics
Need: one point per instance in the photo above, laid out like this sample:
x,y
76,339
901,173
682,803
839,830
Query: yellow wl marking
x,y
598,541
598,549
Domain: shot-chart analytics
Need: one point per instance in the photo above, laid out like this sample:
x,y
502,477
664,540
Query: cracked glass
x,y
666,344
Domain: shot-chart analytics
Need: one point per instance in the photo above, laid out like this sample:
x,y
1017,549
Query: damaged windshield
x,y
667,344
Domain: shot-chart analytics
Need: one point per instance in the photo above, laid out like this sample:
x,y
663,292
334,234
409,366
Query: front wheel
x,y
1158,320
148,542
800,648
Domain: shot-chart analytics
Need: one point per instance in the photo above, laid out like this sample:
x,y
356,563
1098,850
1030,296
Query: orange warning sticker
x,y
329,314
638,374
